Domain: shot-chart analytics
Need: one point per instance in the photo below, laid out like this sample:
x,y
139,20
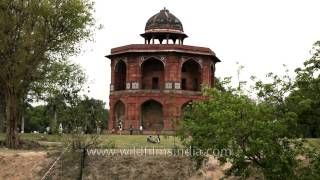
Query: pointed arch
x,y
191,75
152,74
152,115
184,107
120,75
119,114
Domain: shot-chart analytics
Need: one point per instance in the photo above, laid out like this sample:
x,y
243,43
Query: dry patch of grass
x,y
124,168
314,143
16,165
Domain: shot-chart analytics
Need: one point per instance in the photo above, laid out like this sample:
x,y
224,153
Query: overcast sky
x,y
261,35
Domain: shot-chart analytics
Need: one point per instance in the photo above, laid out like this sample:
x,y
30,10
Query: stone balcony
x,y
157,91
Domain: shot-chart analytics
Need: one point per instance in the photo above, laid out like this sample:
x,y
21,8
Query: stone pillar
x,y
111,115
205,73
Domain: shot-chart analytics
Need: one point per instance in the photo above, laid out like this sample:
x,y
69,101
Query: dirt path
x,y
20,165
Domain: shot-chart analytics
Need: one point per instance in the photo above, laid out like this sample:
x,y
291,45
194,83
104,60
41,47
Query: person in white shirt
x,y
158,139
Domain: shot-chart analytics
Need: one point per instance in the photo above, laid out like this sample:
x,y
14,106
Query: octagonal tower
x,y
151,83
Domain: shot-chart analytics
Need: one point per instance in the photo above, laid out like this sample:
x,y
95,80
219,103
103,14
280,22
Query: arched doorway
x,y
185,108
191,76
152,115
120,76
119,114
152,74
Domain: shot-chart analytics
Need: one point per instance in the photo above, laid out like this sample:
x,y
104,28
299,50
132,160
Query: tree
x,y
105,119
36,119
255,131
2,113
63,80
34,33
305,98
87,113
54,109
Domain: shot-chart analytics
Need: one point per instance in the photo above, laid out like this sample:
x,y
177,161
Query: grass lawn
x,y
140,141
121,141
129,141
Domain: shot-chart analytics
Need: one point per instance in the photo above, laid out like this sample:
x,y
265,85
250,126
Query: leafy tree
x,y
36,119
218,85
55,108
254,130
105,119
63,80
32,34
91,114
305,98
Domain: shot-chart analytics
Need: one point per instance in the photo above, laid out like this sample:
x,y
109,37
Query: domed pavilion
x,y
152,83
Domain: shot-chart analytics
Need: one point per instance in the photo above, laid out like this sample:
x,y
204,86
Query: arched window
x,y
120,76
191,76
152,71
152,115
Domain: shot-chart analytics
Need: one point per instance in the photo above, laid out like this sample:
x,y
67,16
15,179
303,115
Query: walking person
x,y
131,130
141,129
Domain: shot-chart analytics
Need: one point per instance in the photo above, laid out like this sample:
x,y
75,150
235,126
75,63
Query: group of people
x,y
150,139
119,130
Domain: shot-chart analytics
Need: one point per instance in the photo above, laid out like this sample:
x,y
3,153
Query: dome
x,y
164,21
164,27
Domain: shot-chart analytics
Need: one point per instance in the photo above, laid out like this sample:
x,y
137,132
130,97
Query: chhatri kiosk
x,y
151,83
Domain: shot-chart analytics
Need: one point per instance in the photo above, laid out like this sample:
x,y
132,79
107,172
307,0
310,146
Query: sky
x,y
261,35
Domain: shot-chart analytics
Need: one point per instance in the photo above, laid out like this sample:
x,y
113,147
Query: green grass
x,y
314,142
140,141
37,137
130,141
121,141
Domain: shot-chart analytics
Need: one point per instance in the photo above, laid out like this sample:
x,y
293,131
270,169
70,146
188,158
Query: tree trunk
x,y
53,124
2,114
12,140
22,122
21,114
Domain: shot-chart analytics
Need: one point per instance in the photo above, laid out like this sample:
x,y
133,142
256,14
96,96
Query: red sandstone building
x,y
151,83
